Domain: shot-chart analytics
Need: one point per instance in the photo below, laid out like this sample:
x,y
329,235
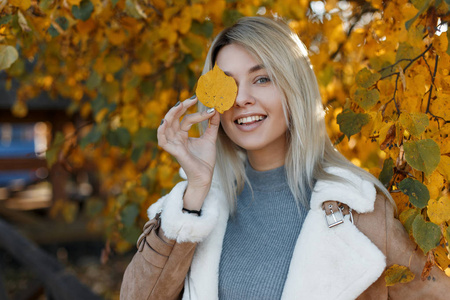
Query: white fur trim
x,y
180,226
332,263
359,195
203,281
182,173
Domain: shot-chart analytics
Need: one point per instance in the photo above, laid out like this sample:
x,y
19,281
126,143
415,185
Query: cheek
x,y
225,119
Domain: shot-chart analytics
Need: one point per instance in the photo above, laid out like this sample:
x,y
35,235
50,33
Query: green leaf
x,y
121,200
131,233
94,206
366,79
194,45
406,51
350,123
93,81
137,153
145,180
8,55
132,9
144,135
366,98
418,3
17,68
447,234
230,17
53,151
416,190
119,137
339,140
114,2
326,75
206,28
62,22
134,82
387,172
45,4
421,5
92,137
398,274
407,218
129,213
448,35
147,87
426,234
5,19
422,155
183,66
98,103
415,123
84,11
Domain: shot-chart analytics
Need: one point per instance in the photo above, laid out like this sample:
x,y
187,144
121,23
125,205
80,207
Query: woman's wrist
x,y
194,197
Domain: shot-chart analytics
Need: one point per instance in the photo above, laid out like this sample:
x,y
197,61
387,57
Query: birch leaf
x,y
216,89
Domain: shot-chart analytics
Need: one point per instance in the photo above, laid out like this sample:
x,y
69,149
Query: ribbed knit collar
x,y
266,180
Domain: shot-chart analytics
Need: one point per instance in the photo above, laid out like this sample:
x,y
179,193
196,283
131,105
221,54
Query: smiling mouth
x,y
249,120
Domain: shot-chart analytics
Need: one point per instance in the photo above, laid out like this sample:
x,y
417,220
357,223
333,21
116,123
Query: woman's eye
x,y
263,80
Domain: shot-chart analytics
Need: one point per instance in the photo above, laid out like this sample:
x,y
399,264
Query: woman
x,y
270,210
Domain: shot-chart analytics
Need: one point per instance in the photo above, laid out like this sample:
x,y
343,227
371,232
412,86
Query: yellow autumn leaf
x,y
447,272
439,210
165,175
101,114
112,64
129,95
214,9
434,184
441,258
444,167
398,274
185,20
197,12
142,69
22,4
19,109
216,89
74,2
116,36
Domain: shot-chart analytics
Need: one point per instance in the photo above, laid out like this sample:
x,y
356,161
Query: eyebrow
x,y
255,68
251,70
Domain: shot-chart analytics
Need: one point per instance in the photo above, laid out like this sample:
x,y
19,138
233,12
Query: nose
x,y
244,97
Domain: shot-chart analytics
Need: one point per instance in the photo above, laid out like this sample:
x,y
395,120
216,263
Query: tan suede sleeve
x,y
390,236
159,270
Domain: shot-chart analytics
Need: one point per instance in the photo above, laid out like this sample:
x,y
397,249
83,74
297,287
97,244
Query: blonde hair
x,y
310,150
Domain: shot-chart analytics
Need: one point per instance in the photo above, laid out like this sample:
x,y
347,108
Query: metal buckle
x,y
335,218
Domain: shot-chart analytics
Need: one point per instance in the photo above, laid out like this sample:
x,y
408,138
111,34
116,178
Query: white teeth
x,y
249,119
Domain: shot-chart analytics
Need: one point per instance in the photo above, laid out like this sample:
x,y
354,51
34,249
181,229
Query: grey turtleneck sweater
x,y
260,239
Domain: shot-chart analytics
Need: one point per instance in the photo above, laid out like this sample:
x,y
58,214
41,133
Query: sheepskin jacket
x,y
327,263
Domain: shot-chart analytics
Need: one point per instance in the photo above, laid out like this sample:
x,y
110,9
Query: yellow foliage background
x,y
382,66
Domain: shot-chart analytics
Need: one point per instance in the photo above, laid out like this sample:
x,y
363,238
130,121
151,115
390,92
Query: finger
x,y
213,127
173,115
162,140
195,118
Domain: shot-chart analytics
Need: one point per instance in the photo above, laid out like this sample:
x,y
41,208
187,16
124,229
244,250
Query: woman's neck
x,y
264,160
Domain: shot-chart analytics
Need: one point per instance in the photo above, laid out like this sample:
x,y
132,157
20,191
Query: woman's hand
x,y
197,156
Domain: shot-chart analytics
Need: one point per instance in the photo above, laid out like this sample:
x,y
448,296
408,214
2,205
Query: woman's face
x,y
256,122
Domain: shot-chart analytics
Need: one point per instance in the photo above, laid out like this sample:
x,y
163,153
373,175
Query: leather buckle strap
x,y
335,212
148,227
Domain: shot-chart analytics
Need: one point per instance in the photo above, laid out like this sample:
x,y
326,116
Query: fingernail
x,y
162,122
211,110
178,103
193,97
